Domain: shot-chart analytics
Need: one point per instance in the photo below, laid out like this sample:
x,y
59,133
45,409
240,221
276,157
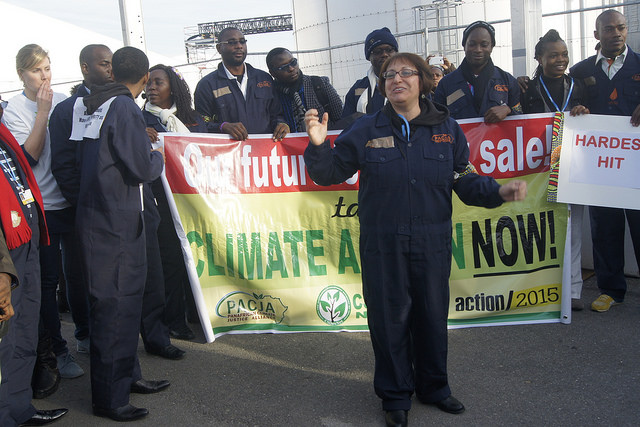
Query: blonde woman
x,y
26,116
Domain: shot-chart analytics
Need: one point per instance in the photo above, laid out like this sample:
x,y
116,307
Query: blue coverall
x,y
405,242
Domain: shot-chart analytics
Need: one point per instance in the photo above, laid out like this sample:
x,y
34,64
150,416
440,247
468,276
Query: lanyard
x,y
6,166
554,102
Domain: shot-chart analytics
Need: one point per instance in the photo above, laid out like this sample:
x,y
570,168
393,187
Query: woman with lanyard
x,y
168,109
406,179
552,90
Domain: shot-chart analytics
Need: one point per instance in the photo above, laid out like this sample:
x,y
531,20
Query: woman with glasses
x,y
410,157
298,92
477,88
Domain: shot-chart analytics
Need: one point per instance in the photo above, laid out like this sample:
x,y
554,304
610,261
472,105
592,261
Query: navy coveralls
x,y
220,100
618,96
454,92
405,242
111,231
376,100
64,166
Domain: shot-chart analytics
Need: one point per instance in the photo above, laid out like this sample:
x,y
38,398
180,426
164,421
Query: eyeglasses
x,y
291,64
382,50
234,42
404,73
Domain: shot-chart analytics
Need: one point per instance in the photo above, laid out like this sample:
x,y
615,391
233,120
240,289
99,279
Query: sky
x,y
164,23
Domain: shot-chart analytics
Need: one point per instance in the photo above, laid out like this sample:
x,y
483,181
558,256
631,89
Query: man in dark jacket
x,y
236,98
477,88
364,97
612,80
95,65
298,92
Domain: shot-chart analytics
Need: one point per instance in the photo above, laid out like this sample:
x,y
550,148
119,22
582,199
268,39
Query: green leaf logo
x,y
333,305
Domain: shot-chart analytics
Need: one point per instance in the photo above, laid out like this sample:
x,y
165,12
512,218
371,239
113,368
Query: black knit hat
x,y
378,37
479,24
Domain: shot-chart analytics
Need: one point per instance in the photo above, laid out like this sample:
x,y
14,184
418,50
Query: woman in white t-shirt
x,y
27,117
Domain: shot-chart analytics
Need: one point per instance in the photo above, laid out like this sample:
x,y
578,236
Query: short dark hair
x,y
273,53
225,30
607,13
86,54
551,36
129,65
425,76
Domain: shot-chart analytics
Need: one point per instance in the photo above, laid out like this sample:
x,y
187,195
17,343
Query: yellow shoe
x,y
603,303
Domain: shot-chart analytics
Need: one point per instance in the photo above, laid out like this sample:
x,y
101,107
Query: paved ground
x,y
582,374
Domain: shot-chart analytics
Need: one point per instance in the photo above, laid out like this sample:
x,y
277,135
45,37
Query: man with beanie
x,y
363,97
478,88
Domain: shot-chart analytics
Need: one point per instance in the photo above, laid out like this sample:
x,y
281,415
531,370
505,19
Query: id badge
x,y
26,197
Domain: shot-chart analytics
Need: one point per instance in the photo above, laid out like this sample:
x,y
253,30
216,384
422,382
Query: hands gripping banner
x,y
268,250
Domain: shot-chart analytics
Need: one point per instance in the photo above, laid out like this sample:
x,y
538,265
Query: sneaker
x,y
68,367
603,303
83,346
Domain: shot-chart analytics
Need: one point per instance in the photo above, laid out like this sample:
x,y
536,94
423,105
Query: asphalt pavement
x,y
586,373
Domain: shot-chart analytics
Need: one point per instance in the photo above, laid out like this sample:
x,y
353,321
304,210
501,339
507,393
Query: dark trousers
x,y
63,243
607,234
406,289
18,347
155,333
176,281
114,260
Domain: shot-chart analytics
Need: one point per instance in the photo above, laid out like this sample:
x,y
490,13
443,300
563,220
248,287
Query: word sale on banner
x,y
268,250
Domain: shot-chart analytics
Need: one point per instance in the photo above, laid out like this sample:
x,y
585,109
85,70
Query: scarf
x,y
167,117
361,106
16,229
295,93
480,82
100,94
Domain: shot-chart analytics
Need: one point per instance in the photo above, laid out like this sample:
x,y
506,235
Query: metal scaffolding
x,y
200,41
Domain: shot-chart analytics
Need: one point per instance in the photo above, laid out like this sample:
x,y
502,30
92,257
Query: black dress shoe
x,y
450,405
169,352
123,413
44,416
182,333
396,418
45,381
143,386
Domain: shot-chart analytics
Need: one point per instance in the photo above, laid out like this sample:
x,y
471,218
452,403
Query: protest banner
x,y
270,251
600,160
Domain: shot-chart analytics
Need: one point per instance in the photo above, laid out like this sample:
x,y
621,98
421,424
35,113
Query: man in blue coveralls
x,y
115,159
236,98
612,80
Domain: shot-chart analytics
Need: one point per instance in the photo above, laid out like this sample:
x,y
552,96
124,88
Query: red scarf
x,y
16,229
